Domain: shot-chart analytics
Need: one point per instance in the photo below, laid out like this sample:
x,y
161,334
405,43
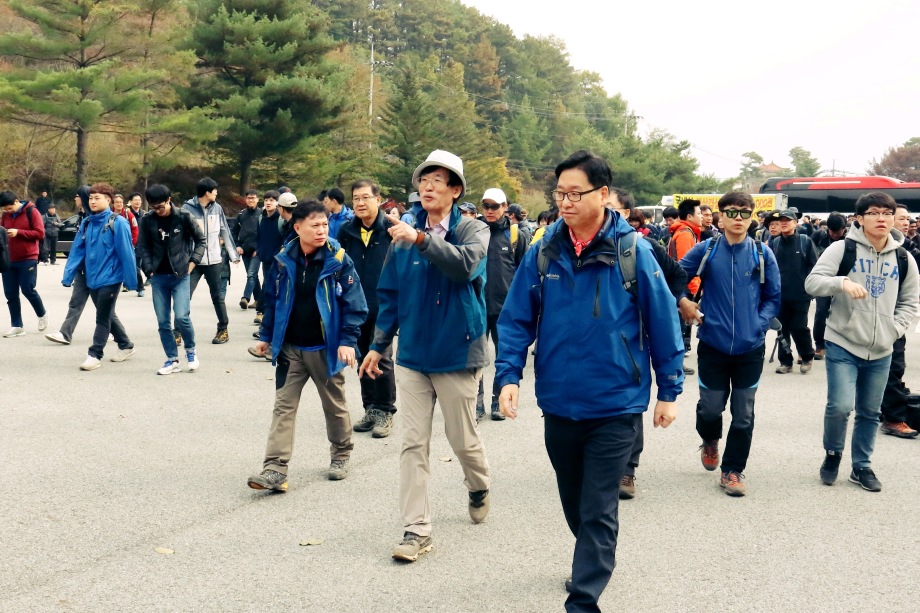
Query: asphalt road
x,y
102,468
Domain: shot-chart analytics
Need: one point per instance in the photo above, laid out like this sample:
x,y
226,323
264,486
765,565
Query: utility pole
x,y
370,90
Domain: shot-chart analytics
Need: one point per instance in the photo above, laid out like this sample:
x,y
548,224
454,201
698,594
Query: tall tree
x,y
804,162
900,162
73,70
263,66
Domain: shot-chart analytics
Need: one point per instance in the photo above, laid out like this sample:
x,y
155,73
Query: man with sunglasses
x,y
507,246
740,284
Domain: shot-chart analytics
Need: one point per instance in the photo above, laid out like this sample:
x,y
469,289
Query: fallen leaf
x,y
446,459
164,550
311,541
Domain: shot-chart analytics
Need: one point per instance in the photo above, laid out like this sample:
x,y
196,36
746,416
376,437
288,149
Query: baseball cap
x,y
517,210
495,195
444,159
414,197
468,207
790,213
287,200
836,222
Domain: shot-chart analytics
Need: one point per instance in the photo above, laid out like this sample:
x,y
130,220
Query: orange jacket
x,y
684,235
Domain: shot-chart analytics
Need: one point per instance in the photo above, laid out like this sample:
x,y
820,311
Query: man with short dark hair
x,y
210,217
246,236
339,214
314,307
25,231
873,307
707,230
366,241
170,245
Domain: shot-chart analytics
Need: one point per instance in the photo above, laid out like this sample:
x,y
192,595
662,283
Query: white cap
x,y
495,195
444,159
287,200
414,197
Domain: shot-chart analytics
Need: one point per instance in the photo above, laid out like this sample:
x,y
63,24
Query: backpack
x,y
849,260
713,243
513,234
5,260
672,244
109,225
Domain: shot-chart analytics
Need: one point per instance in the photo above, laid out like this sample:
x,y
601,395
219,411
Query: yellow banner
x,y
762,202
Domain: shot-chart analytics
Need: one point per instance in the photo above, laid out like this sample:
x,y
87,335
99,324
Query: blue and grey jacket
x,y
338,296
434,295
592,358
103,245
737,309
214,226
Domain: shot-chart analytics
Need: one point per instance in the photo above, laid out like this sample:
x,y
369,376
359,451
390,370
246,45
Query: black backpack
x,y
5,261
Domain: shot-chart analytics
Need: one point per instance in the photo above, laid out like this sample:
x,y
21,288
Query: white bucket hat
x,y
444,159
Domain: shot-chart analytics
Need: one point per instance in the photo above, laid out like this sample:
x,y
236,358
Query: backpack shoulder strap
x,y
627,262
542,261
761,261
902,266
848,259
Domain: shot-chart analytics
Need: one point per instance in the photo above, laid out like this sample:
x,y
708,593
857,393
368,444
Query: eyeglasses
x,y
877,213
434,181
363,198
732,213
158,207
572,196
491,207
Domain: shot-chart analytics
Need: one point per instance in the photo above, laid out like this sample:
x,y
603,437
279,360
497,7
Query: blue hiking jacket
x,y
338,295
106,251
593,350
737,309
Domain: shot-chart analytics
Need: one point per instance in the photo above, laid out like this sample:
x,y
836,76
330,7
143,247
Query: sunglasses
x,y
491,207
732,213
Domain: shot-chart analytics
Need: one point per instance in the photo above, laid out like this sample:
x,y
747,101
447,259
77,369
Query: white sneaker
x,y
193,362
90,363
42,323
14,331
123,354
170,367
57,337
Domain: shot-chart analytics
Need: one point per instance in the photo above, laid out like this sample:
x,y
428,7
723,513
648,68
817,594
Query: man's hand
x,y
347,355
665,413
508,400
371,365
262,347
191,267
239,251
11,232
688,310
401,231
853,290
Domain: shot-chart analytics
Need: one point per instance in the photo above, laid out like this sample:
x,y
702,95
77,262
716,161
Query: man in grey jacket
x,y
210,218
873,306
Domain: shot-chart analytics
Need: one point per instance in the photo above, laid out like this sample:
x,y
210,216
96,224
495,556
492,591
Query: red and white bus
x,y
823,195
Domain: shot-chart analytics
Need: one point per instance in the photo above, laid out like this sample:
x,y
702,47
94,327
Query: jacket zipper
x,y
597,299
637,374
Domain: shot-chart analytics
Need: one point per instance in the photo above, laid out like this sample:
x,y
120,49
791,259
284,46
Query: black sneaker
x,y
830,467
865,478
497,415
269,479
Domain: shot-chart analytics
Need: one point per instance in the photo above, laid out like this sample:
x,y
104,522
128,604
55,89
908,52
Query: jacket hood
x,y
897,239
680,224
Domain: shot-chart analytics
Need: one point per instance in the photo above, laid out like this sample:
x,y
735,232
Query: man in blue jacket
x,y
741,298
314,308
592,375
103,247
432,291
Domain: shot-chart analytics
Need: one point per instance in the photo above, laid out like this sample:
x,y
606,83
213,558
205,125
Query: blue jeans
x,y
22,277
172,292
253,288
853,382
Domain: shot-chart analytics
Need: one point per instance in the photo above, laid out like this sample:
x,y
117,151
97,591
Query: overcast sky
x,y
839,78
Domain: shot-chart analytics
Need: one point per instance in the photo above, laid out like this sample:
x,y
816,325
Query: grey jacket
x,y
869,327
214,226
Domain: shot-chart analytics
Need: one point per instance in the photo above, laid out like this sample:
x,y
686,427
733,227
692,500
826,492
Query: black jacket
x,y
246,232
368,259
186,243
794,264
502,262
674,274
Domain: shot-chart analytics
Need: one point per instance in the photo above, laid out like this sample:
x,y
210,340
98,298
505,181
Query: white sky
x,y
839,78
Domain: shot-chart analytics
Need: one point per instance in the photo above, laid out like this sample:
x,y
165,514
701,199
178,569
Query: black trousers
x,y
589,458
822,310
50,249
793,314
379,393
894,402
723,376
491,331
211,274
104,299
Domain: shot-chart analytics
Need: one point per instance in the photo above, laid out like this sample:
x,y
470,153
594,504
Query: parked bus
x,y
823,195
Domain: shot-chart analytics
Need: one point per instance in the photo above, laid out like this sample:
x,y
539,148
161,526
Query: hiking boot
x,y
169,367
57,337
628,487
90,363
865,478
244,304
805,368
384,425
220,338
338,470
14,331
258,319
710,454
899,429
497,415
732,483
122,354
782,369
479,506
819,354
42,323
178,337
269,479
689,370
192,359
411,547
480,412
829,468
367,422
